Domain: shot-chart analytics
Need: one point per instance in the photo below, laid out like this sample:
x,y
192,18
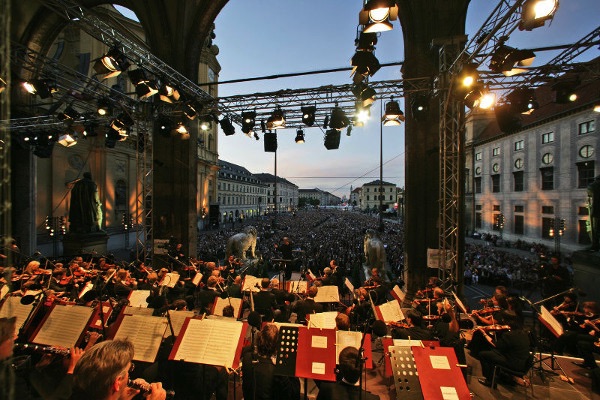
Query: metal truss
x,y
143,191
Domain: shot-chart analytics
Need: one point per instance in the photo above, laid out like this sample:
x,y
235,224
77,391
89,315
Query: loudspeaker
x,y
213,214
270,139
332,139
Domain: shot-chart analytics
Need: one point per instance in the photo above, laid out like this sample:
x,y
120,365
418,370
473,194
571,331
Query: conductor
x,y
85,212
285,248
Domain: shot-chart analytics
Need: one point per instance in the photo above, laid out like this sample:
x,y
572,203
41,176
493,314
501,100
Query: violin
x,y
403,325
484,311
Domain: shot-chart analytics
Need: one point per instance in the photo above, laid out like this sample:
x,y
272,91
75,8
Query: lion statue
x,y
374,250
239,244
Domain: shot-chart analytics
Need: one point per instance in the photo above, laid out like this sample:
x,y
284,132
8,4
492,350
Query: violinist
x,y
492,315
361,310
375,279
124,284
283,300
60,279
583,327
140,272
307,306
413,329
207,295
566,311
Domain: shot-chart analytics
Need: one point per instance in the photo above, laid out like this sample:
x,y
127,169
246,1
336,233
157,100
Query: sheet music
x,y
64,326
391,312
297,286
250,283
439,362
88,286
220,304
138,311
459,304
398,294
345,339
170,279
553,323
327,294
137,298
349,285
12,307
4,291
210,341
145,332
311,275
197,279
177,320
323,320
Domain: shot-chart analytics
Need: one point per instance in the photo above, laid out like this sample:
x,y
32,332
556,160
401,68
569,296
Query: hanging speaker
x,y
332,139
507,119
270,139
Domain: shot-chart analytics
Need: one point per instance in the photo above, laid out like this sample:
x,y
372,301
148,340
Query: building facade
x,y
369,199
282,195
324,198
240,194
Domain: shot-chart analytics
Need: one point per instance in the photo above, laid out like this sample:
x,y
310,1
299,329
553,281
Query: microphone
x,y
379,328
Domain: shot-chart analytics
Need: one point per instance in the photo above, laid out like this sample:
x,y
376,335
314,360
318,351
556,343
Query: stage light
x,y
473,97
206,122
112,136
42,87
191,110
377,14
361,114
365,41
522,100
227,126
164,125
364,93
122,123
308,115
181,128
364,64
507,60
349,130
299,136
332,139
248,121
597,107
468,76
111,64
104,106
276,120
68,139
338,119
508,121
2,85
393,114
144,86
69,114
487,100
534,13
564,91
419,106
89,129
169,93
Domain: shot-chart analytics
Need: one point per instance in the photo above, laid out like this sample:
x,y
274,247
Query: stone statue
x,y
374,250
594,208
239,244
85,212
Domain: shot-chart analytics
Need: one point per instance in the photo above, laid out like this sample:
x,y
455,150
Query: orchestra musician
x,y
307,305
565,311
102,373
579,331
283,300
413,329
124,284
265,302
375,280
492,315
207,295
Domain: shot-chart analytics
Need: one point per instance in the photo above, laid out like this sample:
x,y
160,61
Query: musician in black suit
x,y
348,376
265,302
207,295
413,330
307,306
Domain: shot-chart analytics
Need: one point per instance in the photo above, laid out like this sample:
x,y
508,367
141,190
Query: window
x,y
478,156
519,163
367,197
519,225
496,167
478,171
547,178
477,182
496,207
547,158
495,183
519,145
519,209
496,151
478,207
518,181
548,137
585,174
587,127
583,211
547,210
586,151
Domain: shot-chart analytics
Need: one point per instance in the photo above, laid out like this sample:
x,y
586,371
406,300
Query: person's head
x,y
374,272
312,291
152,277
228,311
511,319
499,300
333,264
414,317
591,308
211,282
433,281
103,370
275,283
570,298
501,290
122,274
349,365
266,342
342,322
32,267
265,283
87,175
7,337
286,240
438,293
237,280
179,305
327,271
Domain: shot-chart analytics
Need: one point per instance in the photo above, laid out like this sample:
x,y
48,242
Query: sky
x,y
265,37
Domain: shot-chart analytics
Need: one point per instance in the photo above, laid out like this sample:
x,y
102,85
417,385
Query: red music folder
x,y
316,354
439,375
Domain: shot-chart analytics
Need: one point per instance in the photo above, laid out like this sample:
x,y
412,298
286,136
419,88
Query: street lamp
x,y
557,229
500,223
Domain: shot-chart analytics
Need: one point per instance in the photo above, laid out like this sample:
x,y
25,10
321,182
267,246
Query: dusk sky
x,y
265,37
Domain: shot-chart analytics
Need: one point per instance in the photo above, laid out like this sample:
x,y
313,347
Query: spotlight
x,y
169,93
42,87
122,123
164,125
227,126
181,128
299,136
365,64
69,114
144,86
111,64
43,148
473,97
564,91
507,60
361,114
104,106
364,93
487,100
276,120
522,100
393,114
89,129
332,139
468,76
508,121
308,115
2,85
68,139
248,121
419,106
349,130
206,122
377,14
111,138
338,119
534,13
191,110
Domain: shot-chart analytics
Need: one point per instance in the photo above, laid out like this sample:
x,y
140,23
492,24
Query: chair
x,y
528,371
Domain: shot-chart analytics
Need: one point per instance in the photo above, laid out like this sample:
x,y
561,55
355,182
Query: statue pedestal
x,y
79,243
